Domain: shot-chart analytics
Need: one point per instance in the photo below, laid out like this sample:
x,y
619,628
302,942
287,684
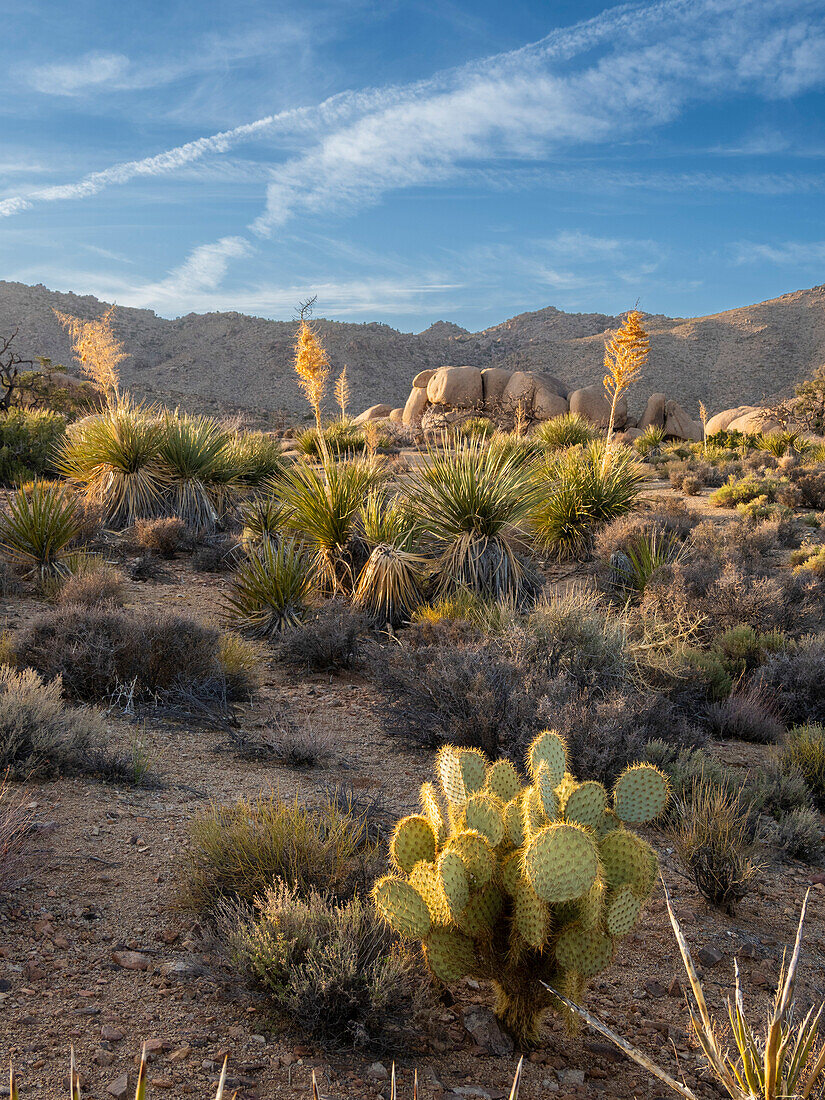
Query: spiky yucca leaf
x,y
42,519
270,591
650,440
254,457
322,507
567,430
472,502
262,516
195,453
115,458
389,587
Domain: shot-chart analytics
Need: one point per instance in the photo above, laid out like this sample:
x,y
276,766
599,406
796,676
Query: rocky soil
x,y
742,356
94,952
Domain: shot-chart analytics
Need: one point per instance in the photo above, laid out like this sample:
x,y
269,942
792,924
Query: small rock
x,y
472,1090
104,1057
110,1034
182,968
655,989
119,1087
483,1026
675,988
571,1077
607,1051
708,955
377,1072
131,960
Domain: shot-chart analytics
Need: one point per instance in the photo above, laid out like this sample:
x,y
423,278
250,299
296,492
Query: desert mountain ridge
x,y
748,355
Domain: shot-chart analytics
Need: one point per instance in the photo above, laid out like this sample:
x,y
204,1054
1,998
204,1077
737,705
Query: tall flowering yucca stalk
x,y
342,393
312,368
625,353
98,352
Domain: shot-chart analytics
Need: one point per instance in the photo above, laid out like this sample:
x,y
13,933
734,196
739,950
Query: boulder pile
x,y
448,396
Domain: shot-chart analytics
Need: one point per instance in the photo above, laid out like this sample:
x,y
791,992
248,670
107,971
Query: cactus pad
x,y
533,816
628,861
531,915
640,794
585,952
514,822
586,805
412,841
550,749
483,813
547,792
449,954
432,812
454,881
402,906
561,862
502,780
424,878
480,913
622,911
476,854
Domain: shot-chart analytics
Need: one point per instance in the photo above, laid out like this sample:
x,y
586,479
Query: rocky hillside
x,y
229,360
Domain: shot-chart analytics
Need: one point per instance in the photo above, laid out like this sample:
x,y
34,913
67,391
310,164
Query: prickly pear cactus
x,y
521,883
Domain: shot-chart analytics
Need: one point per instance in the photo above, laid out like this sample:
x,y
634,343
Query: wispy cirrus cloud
x,y
796,253
70,78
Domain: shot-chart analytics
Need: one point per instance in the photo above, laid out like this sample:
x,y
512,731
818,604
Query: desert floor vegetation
x,y
230,665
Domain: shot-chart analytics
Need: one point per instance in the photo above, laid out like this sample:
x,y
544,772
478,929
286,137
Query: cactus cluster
x,y
520,883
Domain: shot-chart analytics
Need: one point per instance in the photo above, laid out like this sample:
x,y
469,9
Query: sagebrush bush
x,y
669,519
804,750
94,587
329,641
794,678
39,735
165,535
332,970
748,714
799,833
237,851
713,834
219,555
98,651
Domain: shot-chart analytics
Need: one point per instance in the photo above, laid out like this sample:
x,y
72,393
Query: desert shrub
x,y
10,584
165,535
239,666
568,430
477,427
254,457
237,851
146,567
777,790
217,555
579,490
713,834
101,583
685,767
744,490
39,735
329,641
298,743
96,651
28,443
732,655
342,438
671,519
650,441
460,605
41,521
114,457
794,678
799,834
810,485
334,971
804,750
606,733
746,715
473,503
271,589
809,559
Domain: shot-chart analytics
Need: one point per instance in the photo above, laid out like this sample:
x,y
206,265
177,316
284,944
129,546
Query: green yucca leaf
x,y
254,457
646,554
195,453
270,591
322,509
391,520
42,519
650,440
568,430
262,516
114,457
472,503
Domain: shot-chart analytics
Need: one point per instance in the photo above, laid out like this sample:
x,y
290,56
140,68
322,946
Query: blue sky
x,y
415,161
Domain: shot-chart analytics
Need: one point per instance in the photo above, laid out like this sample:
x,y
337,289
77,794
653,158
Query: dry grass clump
x,y
103,584
39,735
164,536
713,835
98,651
794,679
333,970
237,851
748,714
804,750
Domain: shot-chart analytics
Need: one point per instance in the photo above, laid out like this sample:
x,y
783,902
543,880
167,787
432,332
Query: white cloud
x,y
796,253
69,78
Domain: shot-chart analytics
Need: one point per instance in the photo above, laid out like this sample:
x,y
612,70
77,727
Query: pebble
x,y
708,955
131,960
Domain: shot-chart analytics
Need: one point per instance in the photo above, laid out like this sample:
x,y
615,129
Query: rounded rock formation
x,y
457,387
591,402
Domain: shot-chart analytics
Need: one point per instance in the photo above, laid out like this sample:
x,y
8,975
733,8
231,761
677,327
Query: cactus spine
x,y
516,883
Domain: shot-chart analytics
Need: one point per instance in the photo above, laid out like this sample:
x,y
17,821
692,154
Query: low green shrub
x,y
237,851
41,522
28,442
804,749
270,590
799,834
332,970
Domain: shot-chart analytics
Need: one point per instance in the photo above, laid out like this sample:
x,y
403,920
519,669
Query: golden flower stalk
x,y
312,367
625,354
98,352
342,394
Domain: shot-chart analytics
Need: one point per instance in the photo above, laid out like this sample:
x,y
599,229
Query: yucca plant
x,y
41,521
779,444
477,427
473,502
784,1064
271,589
254,457
645,555
262,516
567,430
322,510
650,440
579,489
142,1093
390,586
195,453
342,437
115,459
